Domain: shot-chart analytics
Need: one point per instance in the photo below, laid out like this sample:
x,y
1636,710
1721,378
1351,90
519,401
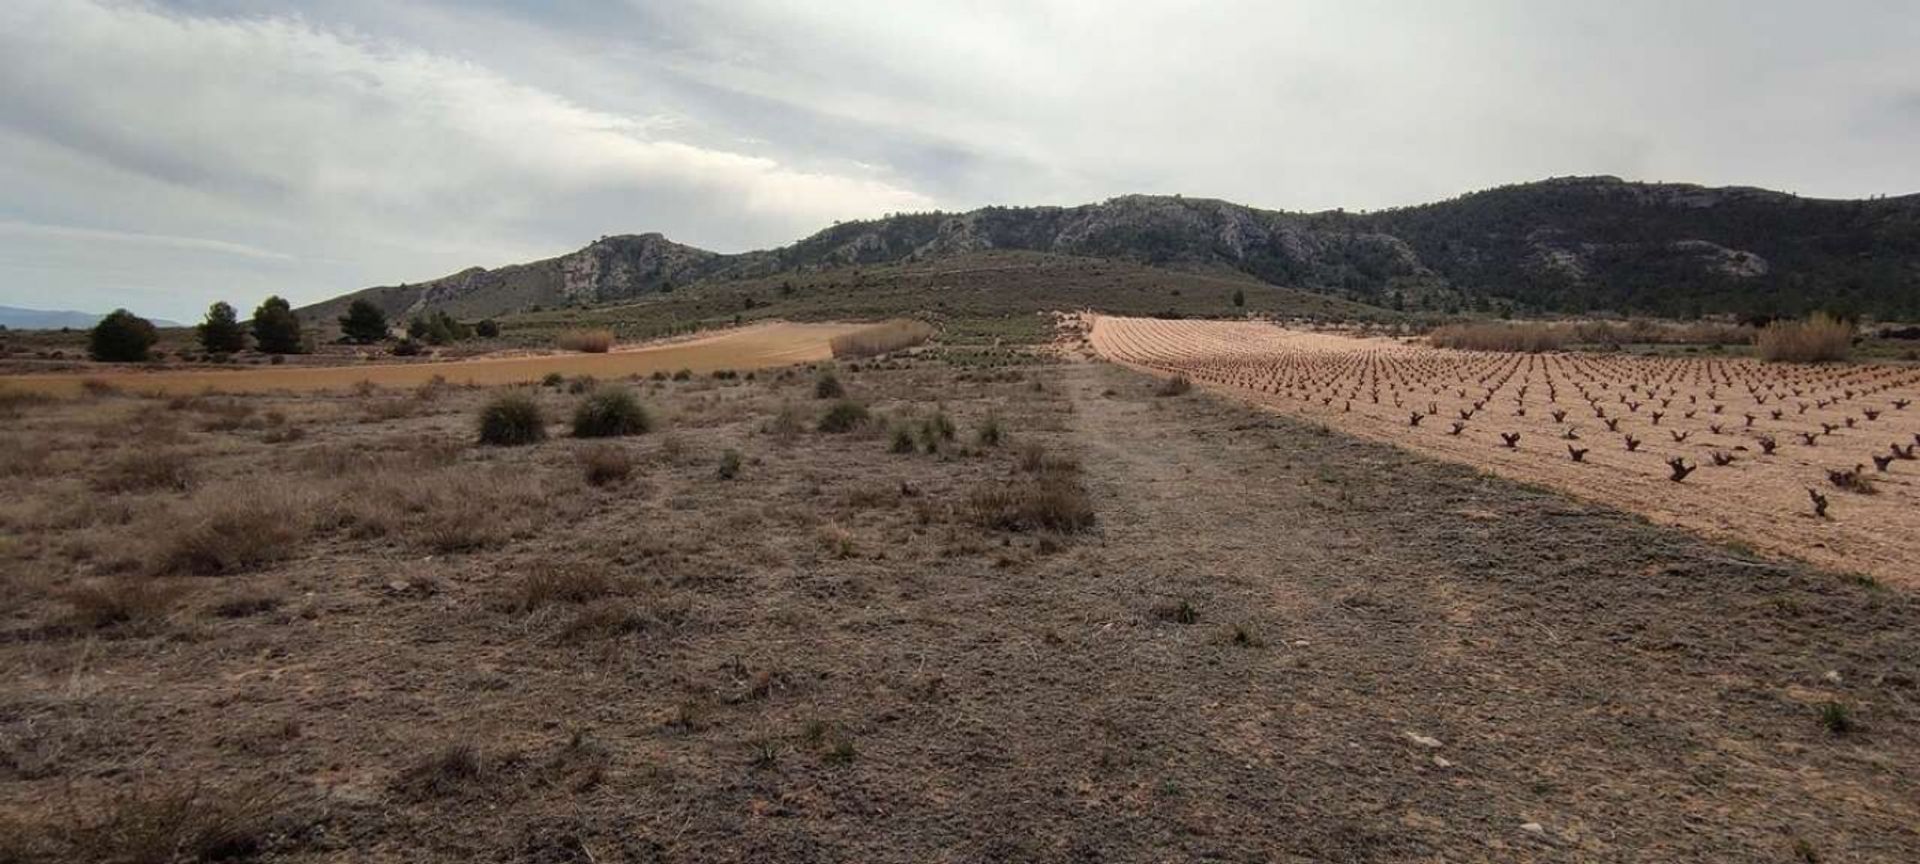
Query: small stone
x,y
1832,676
1301,643
1442,762
1535,828
1423,740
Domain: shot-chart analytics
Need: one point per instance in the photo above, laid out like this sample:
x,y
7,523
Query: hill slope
x,y
1571,245
19,318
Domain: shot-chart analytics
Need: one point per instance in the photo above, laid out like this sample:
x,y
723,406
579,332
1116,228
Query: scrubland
x,y
962,604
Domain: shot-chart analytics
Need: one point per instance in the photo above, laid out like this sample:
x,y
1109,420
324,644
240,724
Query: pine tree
x,y
221,332
121,337
364,323
275,328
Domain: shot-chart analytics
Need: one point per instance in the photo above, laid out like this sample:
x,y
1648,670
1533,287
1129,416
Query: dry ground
x,y
372,640
754,347
1856,419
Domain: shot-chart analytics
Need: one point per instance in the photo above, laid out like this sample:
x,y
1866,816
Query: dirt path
x,y
1635,693
744,348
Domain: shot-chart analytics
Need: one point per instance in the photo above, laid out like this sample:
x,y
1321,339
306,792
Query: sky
x,y
163,155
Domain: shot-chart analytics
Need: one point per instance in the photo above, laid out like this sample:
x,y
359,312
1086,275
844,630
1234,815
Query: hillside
x,y
17,318
1563,245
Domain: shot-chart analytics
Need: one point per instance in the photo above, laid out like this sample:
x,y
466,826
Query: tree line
x,y
123,337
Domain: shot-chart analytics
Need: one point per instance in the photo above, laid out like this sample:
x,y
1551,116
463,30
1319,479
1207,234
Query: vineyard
x,y
1817,462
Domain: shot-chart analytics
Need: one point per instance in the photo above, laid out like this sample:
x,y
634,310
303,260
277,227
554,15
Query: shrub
x,y
1837,718
881,338
1176,386
846,415
581,384
729,464
1035,459
1532,338
595,341
407,347
487,329
827,386
1815,340
608,412
553,379
903,441
121,337
605,464
990,432
786,424
511,419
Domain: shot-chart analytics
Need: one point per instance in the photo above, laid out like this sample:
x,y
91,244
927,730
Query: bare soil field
x,y
1026,611
755,347
1785,433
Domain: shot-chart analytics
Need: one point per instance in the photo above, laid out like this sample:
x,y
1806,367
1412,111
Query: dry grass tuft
x,y
233,530
455,769
147,471
595,341
14,403
1500,336
549,586
605,464
1816,340
133,604
883,338
1051,502
611,617
179,824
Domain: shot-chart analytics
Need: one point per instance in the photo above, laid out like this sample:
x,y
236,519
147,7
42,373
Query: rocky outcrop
x,y
1567,244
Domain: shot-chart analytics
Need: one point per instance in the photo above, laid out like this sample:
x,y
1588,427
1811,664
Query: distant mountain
x,y
1578,244
16,318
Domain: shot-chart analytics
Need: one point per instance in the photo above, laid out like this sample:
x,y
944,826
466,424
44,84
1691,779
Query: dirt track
x,y
756,347
1467,402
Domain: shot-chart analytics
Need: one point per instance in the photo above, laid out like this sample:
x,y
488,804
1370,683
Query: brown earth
x,y
1277,643
1831,418
755,347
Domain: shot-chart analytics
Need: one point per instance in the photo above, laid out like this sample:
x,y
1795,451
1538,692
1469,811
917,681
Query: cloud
x,y
376,142
56,233
278,133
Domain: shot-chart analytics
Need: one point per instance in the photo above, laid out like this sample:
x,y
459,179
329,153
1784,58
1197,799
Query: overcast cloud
x,y
163,155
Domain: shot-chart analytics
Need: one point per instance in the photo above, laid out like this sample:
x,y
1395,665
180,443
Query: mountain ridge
x,y
1566,244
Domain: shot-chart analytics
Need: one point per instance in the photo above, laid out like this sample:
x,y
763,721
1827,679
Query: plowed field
x,y
1784,432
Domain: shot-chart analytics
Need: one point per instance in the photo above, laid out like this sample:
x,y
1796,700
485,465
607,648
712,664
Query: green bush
x,y
121,337
610,411
828,386
846,415
512,418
